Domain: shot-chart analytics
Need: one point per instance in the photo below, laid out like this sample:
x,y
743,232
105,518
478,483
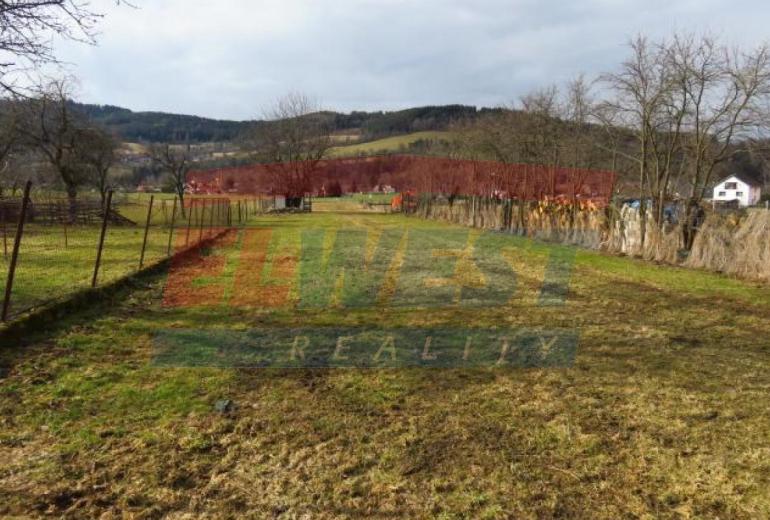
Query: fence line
x,y
59,246
734,242
15,254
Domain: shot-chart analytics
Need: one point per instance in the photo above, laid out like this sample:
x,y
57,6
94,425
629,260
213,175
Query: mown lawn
x,y
663,415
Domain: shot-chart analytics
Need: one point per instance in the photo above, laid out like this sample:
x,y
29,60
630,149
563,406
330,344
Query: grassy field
x,y
355,202
55,261
388,144
49,269
663,415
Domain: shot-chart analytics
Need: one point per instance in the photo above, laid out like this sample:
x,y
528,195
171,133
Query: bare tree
x,y
50,124
176,161
294,140
723,89
496,135
581,142
524,132
687,100
758,149
98,153
28,28
540,131
647,103
9,140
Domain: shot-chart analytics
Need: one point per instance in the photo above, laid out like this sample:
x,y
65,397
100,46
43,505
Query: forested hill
x,y
163,127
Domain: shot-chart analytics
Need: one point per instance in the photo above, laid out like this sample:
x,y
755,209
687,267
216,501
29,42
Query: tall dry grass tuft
x,y
735,244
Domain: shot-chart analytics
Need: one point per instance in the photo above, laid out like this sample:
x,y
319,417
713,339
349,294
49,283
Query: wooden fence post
x,y
5,232
200,223
189,221
171,231
211,220
146,231
15,253
239,212
107,206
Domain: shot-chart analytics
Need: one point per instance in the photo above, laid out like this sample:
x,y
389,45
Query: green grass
x,y
388,144
353,203
664,414
48,269
55,261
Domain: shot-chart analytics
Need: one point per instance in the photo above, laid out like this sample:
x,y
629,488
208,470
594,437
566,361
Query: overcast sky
x,y
232,58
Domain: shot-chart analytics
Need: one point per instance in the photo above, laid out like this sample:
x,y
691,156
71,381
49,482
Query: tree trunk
x,y
180,194
72,199
690,224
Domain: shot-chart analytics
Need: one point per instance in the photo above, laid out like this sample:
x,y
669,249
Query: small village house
x,y
746,191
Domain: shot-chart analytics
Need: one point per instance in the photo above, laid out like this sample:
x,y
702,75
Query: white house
x,y
745,191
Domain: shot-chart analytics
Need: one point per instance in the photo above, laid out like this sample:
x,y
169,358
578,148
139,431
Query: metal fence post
x,y
146,231
15,253
107,206
171,231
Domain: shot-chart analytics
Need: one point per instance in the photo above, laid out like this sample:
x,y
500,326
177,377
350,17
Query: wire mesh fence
x,y
53,246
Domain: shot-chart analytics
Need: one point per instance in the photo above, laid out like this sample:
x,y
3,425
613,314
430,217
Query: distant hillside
x,y
162,127
375,125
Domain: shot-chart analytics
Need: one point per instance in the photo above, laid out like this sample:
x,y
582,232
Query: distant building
x,y
745,191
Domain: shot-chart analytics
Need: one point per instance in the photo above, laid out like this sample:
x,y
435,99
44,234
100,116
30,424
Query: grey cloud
x,y
231,58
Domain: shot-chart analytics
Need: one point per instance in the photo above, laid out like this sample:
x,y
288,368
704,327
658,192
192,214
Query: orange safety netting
x,y
409,174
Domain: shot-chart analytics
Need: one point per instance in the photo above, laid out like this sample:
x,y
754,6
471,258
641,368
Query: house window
x,y
739,194
722,194
731,185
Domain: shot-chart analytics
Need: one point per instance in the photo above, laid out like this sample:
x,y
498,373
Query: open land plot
x,y
663,413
